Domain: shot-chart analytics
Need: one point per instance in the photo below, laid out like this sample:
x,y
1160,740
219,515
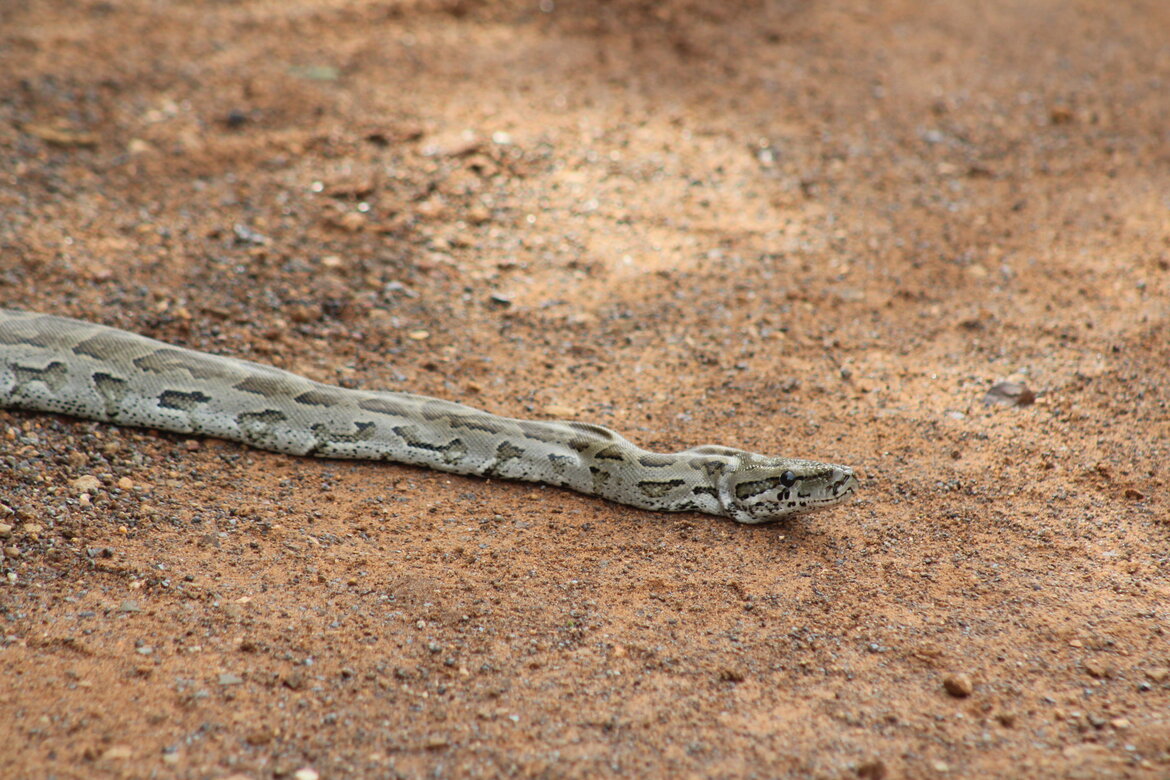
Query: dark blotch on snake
x,y
748,489
508,451
470,423
560,462
53,375
198,366
186,402
365,432
267,386
712,467
537,432
612,452
410,439
102,347
110,386
26,330
657,461
659,489
384,406
265,417
320,398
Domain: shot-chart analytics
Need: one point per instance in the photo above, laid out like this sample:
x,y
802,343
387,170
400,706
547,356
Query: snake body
x,y
66,366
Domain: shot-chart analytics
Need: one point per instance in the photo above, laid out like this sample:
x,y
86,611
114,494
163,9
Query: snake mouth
x,y
843,484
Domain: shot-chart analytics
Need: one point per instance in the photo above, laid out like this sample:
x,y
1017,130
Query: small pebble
x,y
352,221
259,736
1009,394
86,483
305,773
125,483
732,674
958,685
236,118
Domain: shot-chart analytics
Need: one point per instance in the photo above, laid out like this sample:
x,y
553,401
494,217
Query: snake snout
x,y
842,481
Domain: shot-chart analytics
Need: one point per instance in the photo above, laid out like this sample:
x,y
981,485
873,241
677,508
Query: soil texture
x,y
926,239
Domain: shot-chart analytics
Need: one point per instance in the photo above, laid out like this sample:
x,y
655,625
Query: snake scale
x,y
66,366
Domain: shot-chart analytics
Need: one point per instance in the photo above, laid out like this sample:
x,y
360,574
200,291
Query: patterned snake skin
x,y
66,366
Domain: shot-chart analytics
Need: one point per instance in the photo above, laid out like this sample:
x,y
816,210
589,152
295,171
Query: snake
x,y
71,367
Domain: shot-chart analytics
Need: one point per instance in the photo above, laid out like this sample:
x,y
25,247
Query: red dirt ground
x,y
821,229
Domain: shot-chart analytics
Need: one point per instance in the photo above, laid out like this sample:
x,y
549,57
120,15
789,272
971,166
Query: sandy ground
x,y
822,229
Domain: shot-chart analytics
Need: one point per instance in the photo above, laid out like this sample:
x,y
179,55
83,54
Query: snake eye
x,y
787,479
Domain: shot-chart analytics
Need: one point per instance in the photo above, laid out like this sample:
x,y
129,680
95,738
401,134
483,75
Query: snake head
x,y
763,490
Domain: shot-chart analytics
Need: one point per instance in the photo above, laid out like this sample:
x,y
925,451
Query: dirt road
x,y
820,229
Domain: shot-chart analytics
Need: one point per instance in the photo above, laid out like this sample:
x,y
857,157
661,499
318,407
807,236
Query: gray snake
x,y
66,366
